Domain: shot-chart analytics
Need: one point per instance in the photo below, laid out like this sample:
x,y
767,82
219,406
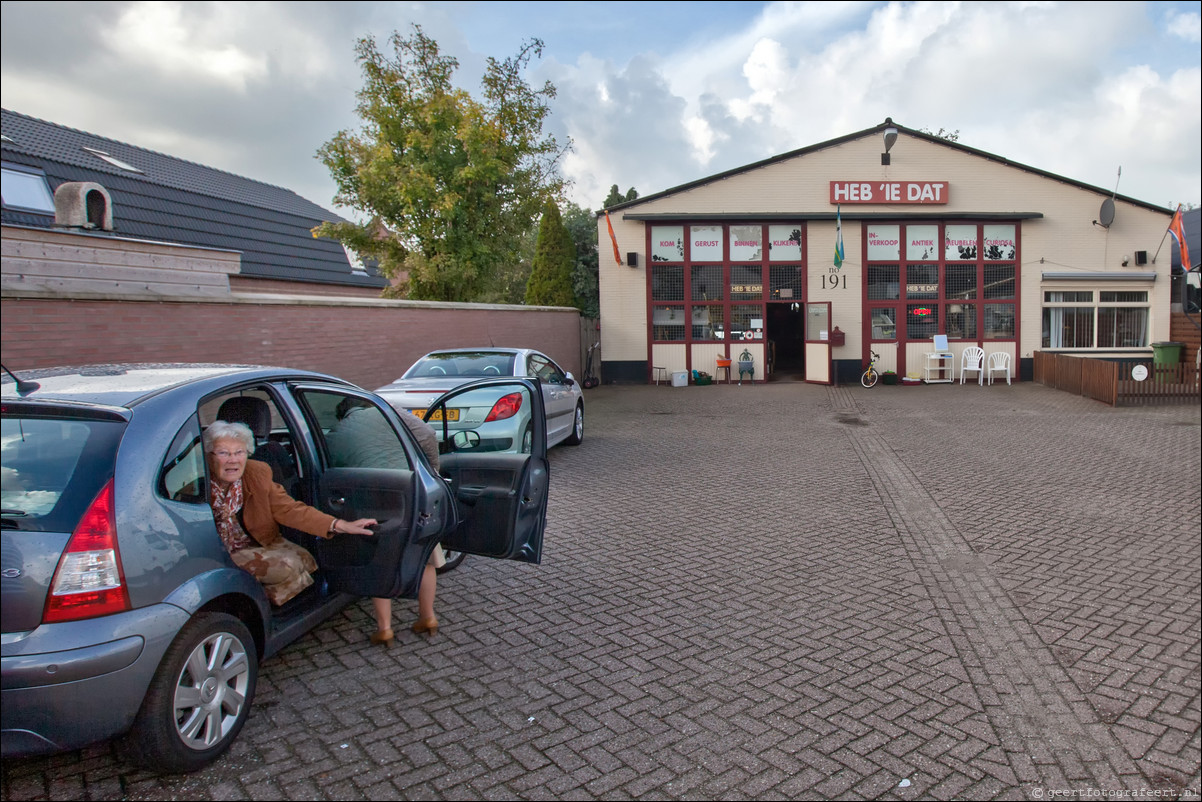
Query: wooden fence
x,y
1118,383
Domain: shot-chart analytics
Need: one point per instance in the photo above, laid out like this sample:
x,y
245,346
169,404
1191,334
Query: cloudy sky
x,y
652,94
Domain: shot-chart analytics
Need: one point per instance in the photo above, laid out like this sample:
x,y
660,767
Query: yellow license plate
x,y
452,414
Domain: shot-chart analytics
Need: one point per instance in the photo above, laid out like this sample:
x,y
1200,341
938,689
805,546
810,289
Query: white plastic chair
x,y
999,361
972,359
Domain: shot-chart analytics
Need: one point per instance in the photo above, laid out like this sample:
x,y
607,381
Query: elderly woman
x,y
250,508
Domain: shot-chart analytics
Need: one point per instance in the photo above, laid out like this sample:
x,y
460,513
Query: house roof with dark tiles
x,y
175,200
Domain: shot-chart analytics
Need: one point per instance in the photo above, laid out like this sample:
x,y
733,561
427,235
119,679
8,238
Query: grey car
x,y
500,422
123,613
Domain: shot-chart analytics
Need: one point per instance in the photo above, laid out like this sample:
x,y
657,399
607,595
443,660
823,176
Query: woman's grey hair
x,y
224,430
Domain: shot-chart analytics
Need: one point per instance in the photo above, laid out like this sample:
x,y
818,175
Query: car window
x,y
182,477
469,364
275,441
538,366
53,468
352,432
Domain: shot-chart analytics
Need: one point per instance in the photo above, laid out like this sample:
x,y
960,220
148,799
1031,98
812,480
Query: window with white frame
x,y
1098,319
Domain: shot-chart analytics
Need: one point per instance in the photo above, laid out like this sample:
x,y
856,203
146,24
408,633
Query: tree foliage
x,y
615,196
582,227
554,257
450,183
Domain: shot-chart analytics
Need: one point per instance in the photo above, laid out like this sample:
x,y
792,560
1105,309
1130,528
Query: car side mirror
x,y
465,441
569,380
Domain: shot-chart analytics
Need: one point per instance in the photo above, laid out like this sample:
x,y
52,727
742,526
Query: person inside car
x,y
249,509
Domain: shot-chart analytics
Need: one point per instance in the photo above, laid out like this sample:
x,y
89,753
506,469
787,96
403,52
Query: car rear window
x,y
52,468
475,365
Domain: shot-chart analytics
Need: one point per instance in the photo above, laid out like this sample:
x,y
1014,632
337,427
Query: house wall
x,y
73,315
1063,239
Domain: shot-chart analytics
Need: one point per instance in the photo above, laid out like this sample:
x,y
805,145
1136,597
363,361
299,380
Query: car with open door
x,y
123,613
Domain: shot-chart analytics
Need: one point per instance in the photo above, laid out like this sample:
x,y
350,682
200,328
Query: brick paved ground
x,y
774,592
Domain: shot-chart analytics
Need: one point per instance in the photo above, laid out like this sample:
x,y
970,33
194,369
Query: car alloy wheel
x,y
200,696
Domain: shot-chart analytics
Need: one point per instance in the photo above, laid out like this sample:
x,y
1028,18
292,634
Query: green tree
x,y
615,196
582,227
554,257
449,182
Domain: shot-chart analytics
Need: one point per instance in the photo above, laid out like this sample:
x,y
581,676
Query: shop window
x,y
999,322
707,322
745,321
1119,319
706,243
884,283
884,323
960,321
667,283
999,281
961,283
784,283
667,323
922,281
667,243
706,283
746,283
746,244
922,321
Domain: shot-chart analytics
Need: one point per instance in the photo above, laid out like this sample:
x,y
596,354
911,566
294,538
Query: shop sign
x,y
904,192
705,243
920,289
784,243
746,243
883,243
922,311
667,243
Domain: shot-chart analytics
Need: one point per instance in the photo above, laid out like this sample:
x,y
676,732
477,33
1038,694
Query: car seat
x,y
256,414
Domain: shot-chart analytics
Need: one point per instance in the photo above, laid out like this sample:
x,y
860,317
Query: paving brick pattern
x,y
773,592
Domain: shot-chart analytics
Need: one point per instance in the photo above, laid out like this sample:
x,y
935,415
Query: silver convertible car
x,y
124,615
500,420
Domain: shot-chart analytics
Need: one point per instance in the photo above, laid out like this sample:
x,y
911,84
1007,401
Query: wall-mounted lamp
x,y
890,138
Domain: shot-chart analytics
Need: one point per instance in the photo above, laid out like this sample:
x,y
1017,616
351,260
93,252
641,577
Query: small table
x,y
937,366
662,373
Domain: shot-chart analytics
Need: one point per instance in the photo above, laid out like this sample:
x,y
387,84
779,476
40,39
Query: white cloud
x,y
156,35
1186,26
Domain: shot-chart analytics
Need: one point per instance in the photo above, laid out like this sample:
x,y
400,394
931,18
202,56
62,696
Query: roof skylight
x,y
113,160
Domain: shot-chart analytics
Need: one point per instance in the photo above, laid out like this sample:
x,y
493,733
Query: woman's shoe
x,y
426,625
384,636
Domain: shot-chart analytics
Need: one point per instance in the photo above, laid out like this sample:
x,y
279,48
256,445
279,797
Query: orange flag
x,y
1176,228
613,239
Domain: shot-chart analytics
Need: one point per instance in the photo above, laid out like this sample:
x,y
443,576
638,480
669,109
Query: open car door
x,y
500,492
370,468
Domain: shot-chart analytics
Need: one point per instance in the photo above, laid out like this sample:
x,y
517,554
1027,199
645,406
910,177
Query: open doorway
x,y
786,341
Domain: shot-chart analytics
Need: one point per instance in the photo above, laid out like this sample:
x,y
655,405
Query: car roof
x,y
125,385
486,350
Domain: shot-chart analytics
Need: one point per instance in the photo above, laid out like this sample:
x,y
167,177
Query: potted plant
x,y
889,377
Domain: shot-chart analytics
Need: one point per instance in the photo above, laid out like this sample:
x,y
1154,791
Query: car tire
x,y
453,559
199,698
577,435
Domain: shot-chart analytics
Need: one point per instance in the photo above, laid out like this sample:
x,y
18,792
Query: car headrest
x,y
254,412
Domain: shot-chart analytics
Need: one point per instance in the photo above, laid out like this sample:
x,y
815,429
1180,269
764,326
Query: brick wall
x,y
368,342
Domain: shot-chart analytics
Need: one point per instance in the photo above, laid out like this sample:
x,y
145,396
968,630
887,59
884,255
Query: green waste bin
x,y
1166,353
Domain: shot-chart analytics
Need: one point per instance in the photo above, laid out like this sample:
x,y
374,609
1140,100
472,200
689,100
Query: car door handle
x,y
338,501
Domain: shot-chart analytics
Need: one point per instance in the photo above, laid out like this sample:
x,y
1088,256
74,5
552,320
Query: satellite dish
x,y
1106,213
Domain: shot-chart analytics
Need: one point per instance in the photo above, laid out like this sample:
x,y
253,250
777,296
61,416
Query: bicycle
x,y
870,377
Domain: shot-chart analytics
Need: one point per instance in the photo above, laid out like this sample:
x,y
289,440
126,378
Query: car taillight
x,y
88,581
506,407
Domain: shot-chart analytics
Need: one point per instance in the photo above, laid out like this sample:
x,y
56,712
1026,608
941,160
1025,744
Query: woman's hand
x,y
358,527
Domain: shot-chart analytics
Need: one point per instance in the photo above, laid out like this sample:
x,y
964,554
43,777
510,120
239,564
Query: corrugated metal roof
x,y
174,200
